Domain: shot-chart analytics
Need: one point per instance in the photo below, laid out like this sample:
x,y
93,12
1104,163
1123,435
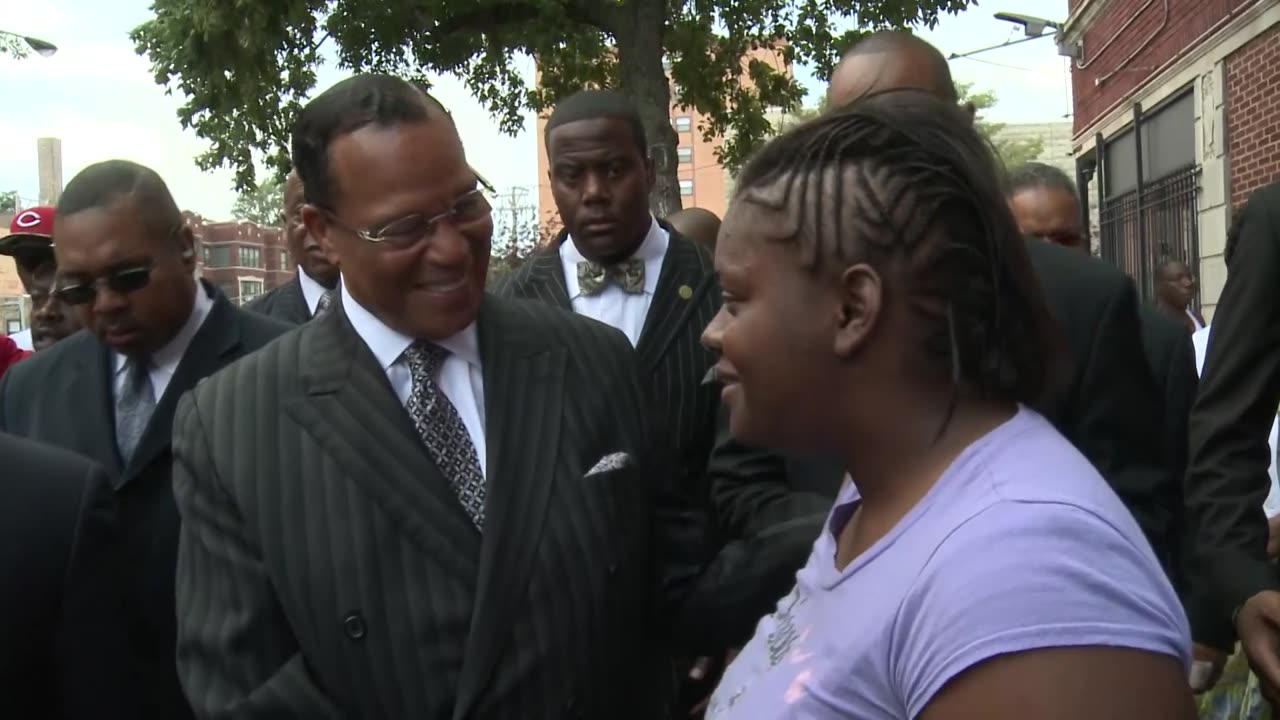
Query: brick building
x,y
1200,82
704,182
242,258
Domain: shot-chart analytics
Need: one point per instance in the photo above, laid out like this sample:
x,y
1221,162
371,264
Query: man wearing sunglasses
x,y
126,264
30,244
310,293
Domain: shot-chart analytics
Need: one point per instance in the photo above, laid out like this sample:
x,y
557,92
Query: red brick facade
x,y
1253,114
1143,30
240,256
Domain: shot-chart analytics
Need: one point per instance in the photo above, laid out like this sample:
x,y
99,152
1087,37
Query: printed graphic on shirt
x,y
778,644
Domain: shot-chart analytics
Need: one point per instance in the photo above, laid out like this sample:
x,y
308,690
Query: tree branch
x,y
493,18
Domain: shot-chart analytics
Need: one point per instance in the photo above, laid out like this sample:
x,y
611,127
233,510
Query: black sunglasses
x,y
122,281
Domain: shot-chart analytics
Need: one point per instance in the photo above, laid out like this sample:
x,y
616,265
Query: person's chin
x,y
446,308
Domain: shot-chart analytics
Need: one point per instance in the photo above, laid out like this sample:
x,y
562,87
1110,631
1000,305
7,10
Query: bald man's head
x,y
890,60
699,225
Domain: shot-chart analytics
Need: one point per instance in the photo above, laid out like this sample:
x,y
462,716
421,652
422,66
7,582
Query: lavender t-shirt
x,y
1019,545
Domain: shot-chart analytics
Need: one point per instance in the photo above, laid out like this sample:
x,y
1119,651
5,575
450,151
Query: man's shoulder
x,y
518,282
257,329
34,459
54,361
1078,288
557,325
265,301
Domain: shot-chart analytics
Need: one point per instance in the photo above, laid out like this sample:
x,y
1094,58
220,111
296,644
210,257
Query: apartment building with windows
x,y
242,258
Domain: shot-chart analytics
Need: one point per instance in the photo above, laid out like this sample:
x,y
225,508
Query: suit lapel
x,y
523,388
296,301
682,283
353,413
546,278
215,344
90,393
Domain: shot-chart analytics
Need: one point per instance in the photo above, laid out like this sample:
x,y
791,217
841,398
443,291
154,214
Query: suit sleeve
x,y
1117,419
237,657
1227,478
91,643
749,488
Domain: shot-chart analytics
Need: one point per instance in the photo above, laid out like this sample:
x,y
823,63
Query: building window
x,y
685,154
218,256
684,123
249,289
284,260
686,187
250,257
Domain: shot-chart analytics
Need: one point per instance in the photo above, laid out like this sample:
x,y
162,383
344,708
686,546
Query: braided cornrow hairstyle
x,y
902,181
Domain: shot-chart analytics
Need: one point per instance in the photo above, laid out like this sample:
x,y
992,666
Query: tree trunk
x,y
643,77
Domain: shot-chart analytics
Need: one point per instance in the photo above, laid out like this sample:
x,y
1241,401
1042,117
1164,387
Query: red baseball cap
x,y
30,228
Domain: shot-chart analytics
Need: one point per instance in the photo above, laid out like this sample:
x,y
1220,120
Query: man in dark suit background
x,y
1227,480
63,650
435,502
616,263
126,264
310,291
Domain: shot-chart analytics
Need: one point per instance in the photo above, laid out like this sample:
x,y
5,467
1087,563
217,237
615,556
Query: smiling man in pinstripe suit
x,y
432,502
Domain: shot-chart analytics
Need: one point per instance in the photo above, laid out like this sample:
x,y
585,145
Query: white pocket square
x,y
612,461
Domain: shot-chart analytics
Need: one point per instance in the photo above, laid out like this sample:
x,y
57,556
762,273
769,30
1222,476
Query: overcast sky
x,y
99,97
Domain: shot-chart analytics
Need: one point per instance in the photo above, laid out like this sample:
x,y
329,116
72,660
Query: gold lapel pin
x,y
686,292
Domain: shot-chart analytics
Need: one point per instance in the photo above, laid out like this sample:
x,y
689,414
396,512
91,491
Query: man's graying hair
x,y
901,180
1035,175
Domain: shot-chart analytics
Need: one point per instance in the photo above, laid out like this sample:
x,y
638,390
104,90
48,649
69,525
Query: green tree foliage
x,y
246,66
263,204
1012,152
9,201
14,47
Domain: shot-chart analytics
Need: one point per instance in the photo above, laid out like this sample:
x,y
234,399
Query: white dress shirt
x,y
613,305
164,363
312,291
22,339
460,376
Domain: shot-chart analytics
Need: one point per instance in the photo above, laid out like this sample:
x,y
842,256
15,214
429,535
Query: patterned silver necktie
x,y
134,405
442,430
325,304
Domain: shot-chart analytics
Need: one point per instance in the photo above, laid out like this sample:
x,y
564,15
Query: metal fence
x,y
1137,232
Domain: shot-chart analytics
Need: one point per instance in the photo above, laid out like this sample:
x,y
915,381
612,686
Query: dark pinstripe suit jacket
x,y
670,348
326,569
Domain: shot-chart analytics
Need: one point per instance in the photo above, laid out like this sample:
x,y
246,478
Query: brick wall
x,y
1107,78
1253,114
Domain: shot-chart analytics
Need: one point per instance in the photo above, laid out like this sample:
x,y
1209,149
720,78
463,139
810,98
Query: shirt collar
x,y
651,251
387,345
168,357
312,291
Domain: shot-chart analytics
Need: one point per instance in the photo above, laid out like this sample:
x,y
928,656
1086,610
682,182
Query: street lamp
x,y
43,48
1031,26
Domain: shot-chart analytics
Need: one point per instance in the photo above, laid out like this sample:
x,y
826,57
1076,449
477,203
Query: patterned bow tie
x,y
594,277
